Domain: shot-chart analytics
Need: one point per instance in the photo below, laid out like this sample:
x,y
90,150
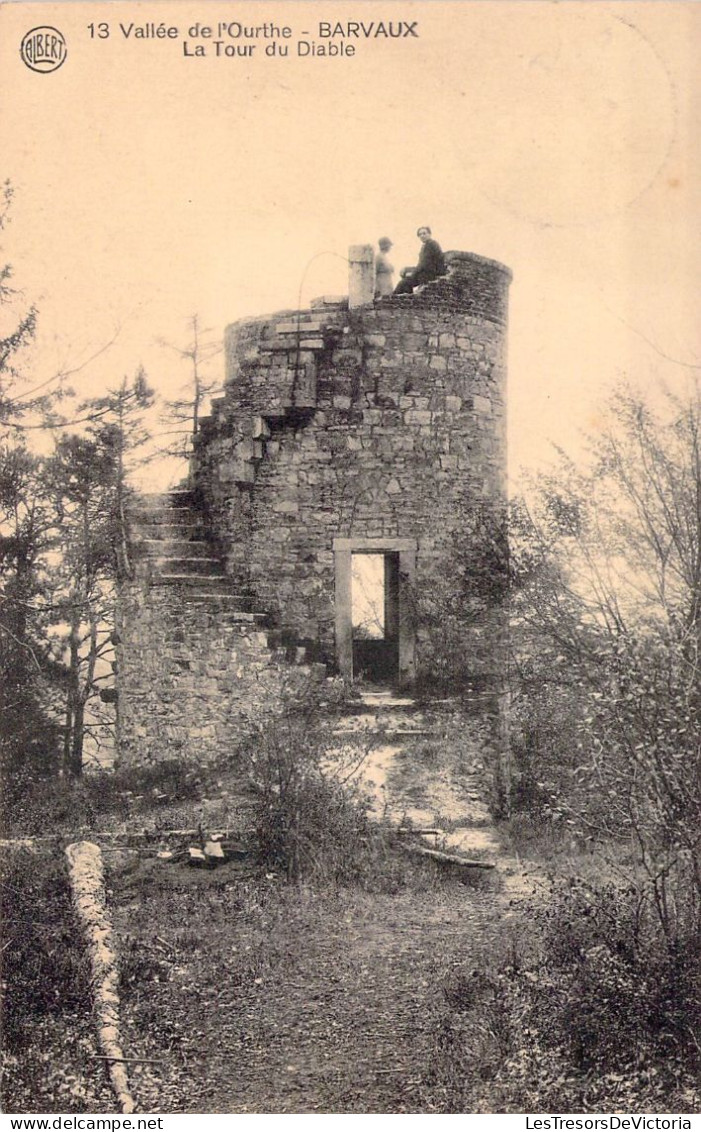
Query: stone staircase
x,y
427,794
285,359
435,801
197,664
170,544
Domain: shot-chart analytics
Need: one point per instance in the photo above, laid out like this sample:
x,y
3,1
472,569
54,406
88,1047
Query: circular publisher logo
x,y
43,49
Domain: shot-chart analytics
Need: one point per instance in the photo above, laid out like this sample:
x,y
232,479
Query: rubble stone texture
x,y
194,663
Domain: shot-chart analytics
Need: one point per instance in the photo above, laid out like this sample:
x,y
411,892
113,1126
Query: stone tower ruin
x,y
360,429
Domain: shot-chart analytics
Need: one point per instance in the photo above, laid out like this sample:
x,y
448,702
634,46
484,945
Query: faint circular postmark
x,y
43,49
575,115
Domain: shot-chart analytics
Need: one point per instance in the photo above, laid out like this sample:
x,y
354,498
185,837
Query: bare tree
x,y
186,411
608,565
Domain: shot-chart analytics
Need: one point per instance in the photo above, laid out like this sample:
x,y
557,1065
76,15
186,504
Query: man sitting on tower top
x,y
430,266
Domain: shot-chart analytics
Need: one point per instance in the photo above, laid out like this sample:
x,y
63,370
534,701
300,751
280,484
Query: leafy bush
x,y
611,754
163,781
75,804
606,598
311,812
602,1013
544,748
310,822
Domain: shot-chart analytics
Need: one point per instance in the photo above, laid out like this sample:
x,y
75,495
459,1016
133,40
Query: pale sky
x,y
560,138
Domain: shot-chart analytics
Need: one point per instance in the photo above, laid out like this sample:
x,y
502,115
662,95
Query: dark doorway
x,y
375,616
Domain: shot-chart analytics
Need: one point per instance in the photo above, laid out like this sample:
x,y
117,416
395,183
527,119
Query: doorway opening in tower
x,y
375,616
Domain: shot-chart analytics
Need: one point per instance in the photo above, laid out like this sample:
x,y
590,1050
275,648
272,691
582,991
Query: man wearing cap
x,y
384,272
430,266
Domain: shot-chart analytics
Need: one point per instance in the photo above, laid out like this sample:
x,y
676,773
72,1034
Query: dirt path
x,y
337,1013
428,772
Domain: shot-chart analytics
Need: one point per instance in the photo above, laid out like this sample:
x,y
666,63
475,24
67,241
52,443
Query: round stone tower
x,y
371,432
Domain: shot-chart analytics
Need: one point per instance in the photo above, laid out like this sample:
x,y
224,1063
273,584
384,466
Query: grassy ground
x,y
50,1057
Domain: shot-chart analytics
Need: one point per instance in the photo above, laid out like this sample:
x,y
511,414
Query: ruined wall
x,y
189,683
195,667
386,421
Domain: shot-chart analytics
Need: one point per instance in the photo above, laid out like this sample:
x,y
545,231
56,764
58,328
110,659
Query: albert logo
x,y
43,49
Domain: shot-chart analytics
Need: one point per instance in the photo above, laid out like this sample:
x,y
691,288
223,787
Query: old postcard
x,y
350,557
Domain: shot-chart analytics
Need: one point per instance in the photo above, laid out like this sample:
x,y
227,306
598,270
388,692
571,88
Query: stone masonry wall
x,y
384,421
190,683
195,666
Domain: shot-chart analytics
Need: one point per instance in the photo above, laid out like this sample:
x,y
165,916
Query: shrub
x,y
603,1012
75,804
44,968
312,815
162,782
545,749
310,822
606,603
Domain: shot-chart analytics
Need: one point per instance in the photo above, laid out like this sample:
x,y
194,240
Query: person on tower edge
x,y
431,264
384,272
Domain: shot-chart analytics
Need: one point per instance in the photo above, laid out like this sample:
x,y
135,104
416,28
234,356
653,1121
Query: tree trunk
x,y
88,893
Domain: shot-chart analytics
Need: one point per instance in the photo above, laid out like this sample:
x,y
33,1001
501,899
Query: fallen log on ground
x,y
445,858
87,881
